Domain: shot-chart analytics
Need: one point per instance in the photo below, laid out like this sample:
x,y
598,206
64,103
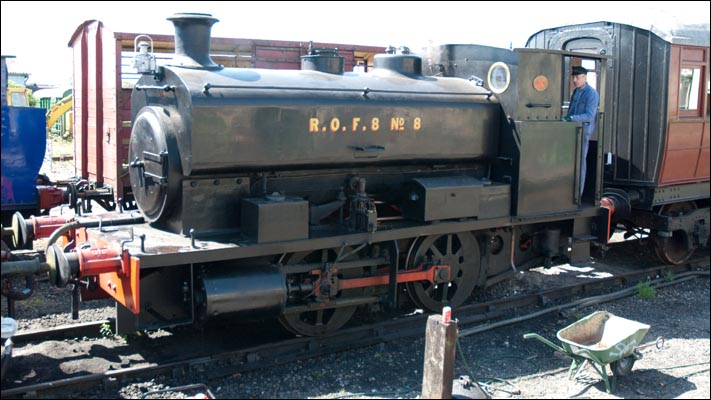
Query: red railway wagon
x,y
103,79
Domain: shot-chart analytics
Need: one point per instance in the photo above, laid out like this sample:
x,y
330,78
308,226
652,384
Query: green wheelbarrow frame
x,y
600,339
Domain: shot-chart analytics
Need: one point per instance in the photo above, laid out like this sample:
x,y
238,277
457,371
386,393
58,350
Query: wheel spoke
x,y
445,289
436,253
458,253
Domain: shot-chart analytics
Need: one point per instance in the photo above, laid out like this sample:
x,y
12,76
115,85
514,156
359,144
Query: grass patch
x,y
669,276
105,330
645,290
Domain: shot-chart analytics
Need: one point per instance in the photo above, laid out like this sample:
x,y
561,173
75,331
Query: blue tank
x,y
24,142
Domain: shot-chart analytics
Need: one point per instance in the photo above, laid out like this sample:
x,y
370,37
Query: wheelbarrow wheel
x,y
623,366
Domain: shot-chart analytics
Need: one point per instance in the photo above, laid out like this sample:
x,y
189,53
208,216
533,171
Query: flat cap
x,y
579,70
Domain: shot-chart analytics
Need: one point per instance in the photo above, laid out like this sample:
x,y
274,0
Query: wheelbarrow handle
x,y
544,340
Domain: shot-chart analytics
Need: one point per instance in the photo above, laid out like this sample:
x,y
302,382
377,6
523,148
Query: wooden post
x,y
440,349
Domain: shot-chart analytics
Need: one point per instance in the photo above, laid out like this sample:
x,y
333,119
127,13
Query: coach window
x,y
690,91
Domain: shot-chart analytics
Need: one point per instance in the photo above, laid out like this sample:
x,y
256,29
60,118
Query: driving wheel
x,y
326,320
458,250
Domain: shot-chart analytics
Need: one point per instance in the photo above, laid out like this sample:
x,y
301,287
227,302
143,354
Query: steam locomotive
x,y
306,194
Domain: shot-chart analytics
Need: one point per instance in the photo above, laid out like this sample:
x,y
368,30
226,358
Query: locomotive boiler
x,y
206,139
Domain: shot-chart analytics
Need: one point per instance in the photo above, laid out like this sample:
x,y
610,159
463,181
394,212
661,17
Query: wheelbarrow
x,y
600,339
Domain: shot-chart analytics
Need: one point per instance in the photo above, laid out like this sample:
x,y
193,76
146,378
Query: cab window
x,y
18,99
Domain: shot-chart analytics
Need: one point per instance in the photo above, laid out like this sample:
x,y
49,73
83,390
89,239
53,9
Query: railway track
x,y
473,318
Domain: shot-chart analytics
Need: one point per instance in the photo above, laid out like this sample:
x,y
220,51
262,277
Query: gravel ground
x,y
510,363
514,367
61,168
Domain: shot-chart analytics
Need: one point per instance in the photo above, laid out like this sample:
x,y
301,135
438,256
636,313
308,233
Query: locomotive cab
x,y
656,126
538,152
533,87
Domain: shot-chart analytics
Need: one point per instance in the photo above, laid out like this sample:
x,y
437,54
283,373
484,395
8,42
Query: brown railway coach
x,y
103,79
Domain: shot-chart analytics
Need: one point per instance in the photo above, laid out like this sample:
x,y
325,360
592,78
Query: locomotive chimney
x,y
192,40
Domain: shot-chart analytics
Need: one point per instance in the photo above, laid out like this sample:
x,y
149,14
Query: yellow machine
x,y
17,96
58,109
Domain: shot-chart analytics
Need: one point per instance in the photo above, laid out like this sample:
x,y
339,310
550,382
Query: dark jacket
x,y
583,108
